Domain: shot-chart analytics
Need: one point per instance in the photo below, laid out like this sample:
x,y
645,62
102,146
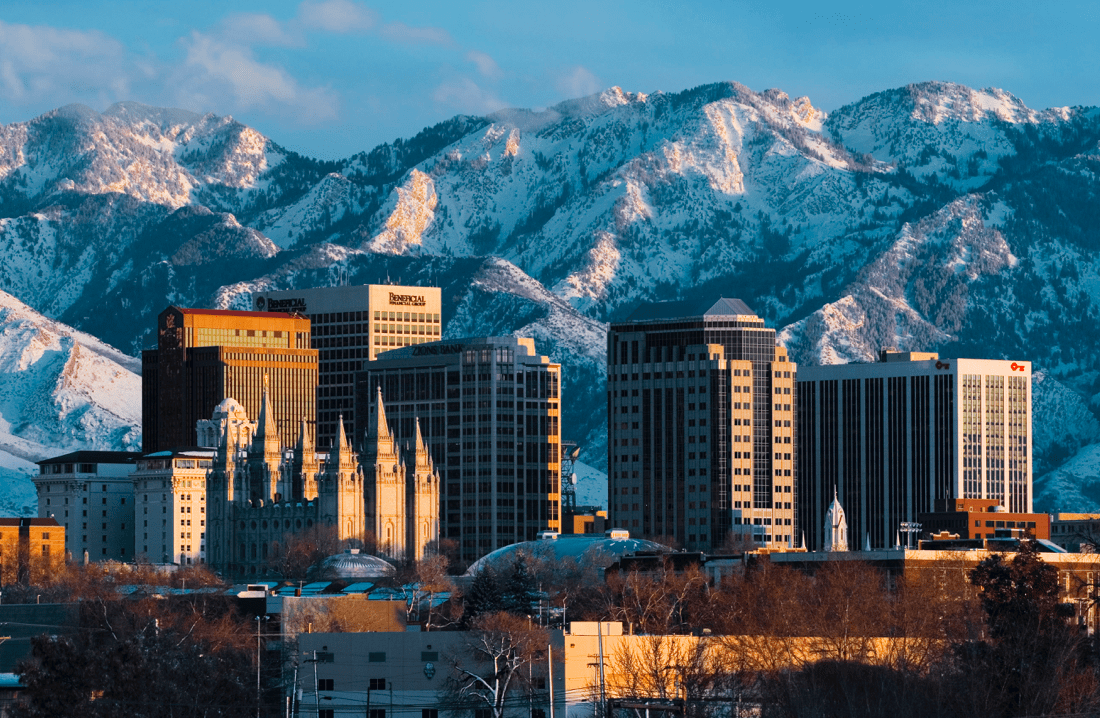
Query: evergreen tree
x,y
520,589
484,596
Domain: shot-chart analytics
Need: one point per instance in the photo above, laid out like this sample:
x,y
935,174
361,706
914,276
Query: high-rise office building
x,y
489,411
898,437
700,425
352,325
204,356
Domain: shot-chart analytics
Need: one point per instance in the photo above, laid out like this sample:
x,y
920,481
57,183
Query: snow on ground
x,y
591,486
61,390
17,495
1074,486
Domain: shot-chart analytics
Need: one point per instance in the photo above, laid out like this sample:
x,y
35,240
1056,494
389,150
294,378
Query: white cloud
x,y
400,32
339,16
486,65
578,82
465,95
223,69
218,73
257,29
41,64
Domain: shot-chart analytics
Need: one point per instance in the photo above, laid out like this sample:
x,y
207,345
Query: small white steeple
x,y
836,526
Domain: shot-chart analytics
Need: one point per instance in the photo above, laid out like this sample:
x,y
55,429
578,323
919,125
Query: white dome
x,y
599,550
352,564
230,407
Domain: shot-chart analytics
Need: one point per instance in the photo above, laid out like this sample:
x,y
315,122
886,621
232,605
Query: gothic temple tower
x,y
258,493
265,458
305,467
340,492
422,527
385,485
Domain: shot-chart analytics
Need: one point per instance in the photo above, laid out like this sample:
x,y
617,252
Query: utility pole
x,y
316,695
603,691
550,673
258,624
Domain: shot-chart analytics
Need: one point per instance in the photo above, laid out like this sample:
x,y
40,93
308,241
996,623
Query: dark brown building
x,y
980,518
205,355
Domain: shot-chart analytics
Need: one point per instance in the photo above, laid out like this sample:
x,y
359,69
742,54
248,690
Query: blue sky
x,y
329,78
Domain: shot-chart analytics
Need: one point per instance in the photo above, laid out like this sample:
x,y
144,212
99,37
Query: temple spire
x,y
423,457
381,425
380,440
836,526
266,442
225,455
341,439
305,444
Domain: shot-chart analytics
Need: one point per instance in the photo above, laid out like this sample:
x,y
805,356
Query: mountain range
x,y
932,217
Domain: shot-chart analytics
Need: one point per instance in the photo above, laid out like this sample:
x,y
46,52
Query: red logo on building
x,y
1018,367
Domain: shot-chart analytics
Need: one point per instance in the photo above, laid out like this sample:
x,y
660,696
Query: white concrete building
x,y
90,494
170,492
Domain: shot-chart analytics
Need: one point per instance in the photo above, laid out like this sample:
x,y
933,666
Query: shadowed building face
x,y
204,356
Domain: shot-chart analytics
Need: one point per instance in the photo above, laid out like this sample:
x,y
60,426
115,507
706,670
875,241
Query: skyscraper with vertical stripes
x,y
894,437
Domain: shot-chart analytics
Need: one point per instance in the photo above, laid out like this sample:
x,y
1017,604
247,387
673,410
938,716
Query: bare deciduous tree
x,y
420,583
302,550
492,664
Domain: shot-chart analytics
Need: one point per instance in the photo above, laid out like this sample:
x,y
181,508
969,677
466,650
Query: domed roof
x,y
230,407
598,550
351,564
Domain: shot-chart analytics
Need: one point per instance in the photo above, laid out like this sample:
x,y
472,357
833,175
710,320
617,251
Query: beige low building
x,y
1078,573
402,675
1077,533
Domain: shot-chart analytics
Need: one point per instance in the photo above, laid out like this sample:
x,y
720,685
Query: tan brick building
x,y
30,549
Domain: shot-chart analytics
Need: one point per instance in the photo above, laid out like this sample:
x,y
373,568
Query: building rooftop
x,y
456,346
24,521
688,308
598,550
351,565
94,457
191,451
890,355
234,313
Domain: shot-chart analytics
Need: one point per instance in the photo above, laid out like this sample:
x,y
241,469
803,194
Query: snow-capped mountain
x,y
930,217
60,390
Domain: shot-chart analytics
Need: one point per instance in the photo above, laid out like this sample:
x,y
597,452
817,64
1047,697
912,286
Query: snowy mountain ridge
x,y
931,217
